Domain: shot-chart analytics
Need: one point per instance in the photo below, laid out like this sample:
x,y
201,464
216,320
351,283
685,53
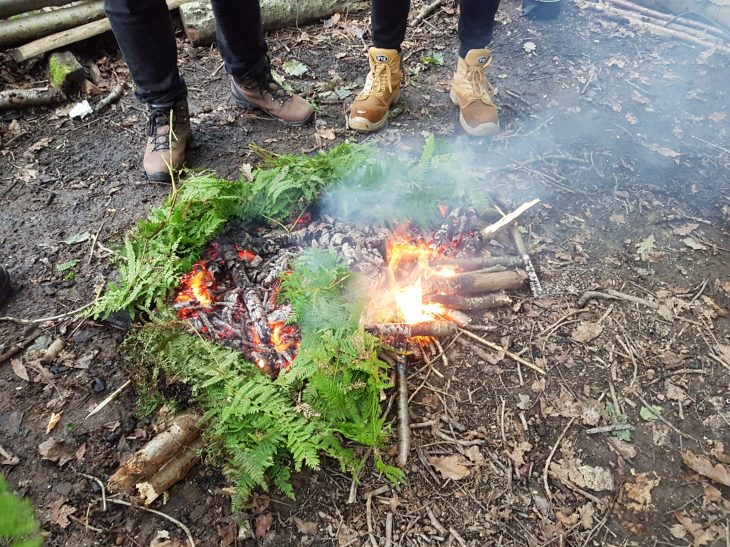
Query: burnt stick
x,y
434,328
457,302
477,263
475,283
256,314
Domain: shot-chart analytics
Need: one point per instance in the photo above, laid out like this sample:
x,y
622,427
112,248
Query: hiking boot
x,y
369,111
165,151
472,93
265,94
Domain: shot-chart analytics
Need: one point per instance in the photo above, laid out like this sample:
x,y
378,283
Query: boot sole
x,y
365,125
245,104
482,130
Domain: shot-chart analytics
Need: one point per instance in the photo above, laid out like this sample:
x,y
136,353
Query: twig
x,y
460,442
508,219
369,518
675,373
53,318
101,485
495,347
550,458
389,529
19,346
404,429
427,11
665,421
609,429
160,514
723,363
112,97
77,520
109,399
457,537
435,522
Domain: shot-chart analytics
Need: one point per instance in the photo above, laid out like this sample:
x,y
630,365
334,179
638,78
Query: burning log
x,y
172,472
477,263
455,301
475,282
183,432
257,314
434,328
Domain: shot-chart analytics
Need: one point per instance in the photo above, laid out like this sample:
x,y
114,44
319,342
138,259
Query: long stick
x,y
24,98
669,19
427,11
404,426
495,347
489,231
8,8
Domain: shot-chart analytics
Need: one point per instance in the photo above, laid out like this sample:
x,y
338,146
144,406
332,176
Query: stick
x,y
389,529
435,522
609,429
495,347
491,230
550,458
45,319
158,513
457,302
717,31
434,328
172,472
114,95
475,282
404,428
535,285
427,11
109,399
476,263
8,8
66,37
26,98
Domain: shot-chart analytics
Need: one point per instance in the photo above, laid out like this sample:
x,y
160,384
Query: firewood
x,y
199,22
426,12
491,230
404,427
172,472
41,24
66,37
25,98
485,302
476,263
532,277
670,18
475,282
433,328
182,432
8,8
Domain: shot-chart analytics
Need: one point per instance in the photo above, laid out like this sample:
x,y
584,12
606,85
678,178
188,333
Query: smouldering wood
x,y
475,283
434,328
485,302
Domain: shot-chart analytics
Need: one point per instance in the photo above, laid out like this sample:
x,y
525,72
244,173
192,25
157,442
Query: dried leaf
x,y
711,494
451,467
55,416
263,523
664,151
19,369
474,455
646,247
586,515
692,243
327,133
639,493
617,219
518,453
305,527
686,229
59,512
700,535
294,68
625,450
586,331
56,451
702,465
583,476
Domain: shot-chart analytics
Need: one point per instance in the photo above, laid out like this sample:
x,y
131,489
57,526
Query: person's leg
x,y
369,111
243,48
143,30
476,24
470,89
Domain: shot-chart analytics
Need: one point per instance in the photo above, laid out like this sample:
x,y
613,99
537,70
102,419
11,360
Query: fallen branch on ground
x,y
25,98
426,12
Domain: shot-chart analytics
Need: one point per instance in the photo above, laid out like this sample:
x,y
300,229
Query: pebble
x,y
98,385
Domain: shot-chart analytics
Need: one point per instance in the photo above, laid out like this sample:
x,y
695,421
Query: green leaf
x,y
78,238
435,58
294,68
281,80
67,265
343,92
650,413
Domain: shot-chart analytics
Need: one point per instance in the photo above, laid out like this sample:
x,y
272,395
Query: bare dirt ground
x,y
625,139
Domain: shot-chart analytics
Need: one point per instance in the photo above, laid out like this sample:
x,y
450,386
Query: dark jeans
x,y
143,29
476,23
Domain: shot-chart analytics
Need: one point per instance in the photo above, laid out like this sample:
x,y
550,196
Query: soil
x,y
622,135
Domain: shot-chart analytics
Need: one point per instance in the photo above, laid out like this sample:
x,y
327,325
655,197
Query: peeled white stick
x,y
506,220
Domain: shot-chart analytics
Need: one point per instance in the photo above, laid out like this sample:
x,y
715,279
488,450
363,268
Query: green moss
x,y
58,71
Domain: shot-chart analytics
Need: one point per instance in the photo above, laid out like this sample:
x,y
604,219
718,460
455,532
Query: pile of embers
x,y
421,280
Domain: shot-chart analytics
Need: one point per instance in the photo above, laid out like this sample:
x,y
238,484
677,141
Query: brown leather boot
x,y
265,94
165,151
472,93
369,112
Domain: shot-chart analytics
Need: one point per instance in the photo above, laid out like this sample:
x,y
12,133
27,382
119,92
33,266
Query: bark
x,y
477,263
172,472
48,22
199,23
475,283
146,462
404,421
66,37
8,8
24,98
434,328
488,301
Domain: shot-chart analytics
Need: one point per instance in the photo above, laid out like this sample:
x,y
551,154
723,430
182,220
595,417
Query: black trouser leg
x,y
143,29
476,24
240,37
389,19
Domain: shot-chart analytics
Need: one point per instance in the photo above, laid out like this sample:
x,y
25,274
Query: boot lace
x,y
380,78
477,86
267,84
158,119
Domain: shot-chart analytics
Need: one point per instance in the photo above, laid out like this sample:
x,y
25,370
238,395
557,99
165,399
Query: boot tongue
x,y
382,55
478,57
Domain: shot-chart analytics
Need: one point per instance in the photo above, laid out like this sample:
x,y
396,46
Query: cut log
x,y
717,31
475,283
146,462
172,472
66,37
458,302
476,263
433,328
64,70
199,22
24,98
8,8
713,10
29,27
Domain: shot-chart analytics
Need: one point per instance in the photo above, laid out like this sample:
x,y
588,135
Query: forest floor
x,y
623,136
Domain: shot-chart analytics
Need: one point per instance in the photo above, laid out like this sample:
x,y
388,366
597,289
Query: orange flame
x,y
195,286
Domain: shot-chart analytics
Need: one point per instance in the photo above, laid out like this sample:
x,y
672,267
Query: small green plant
x,y
18,527
618,418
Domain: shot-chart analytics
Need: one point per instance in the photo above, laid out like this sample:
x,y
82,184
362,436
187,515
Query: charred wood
x,y
477,263
485,302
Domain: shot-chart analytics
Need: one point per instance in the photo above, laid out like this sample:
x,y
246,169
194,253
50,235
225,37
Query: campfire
x,y
420,283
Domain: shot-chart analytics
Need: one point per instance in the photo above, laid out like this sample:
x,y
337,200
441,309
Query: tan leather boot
x,y
265,94
369,111
165,151
472,93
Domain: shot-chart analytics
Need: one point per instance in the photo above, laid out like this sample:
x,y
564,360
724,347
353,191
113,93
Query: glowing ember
x,y
248,256
195,287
